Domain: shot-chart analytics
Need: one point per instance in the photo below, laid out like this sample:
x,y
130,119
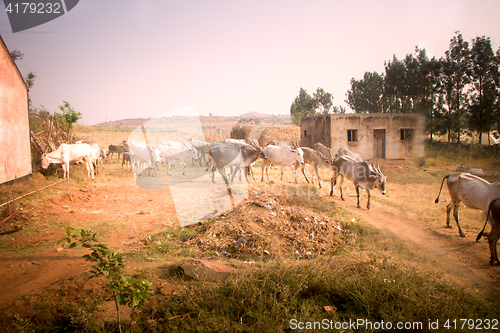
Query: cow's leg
x,y
448,210
333,181
91,167
233,173
341,185
455,215
493,237
368,194
169,171
250,171
223,175
295,174
184,168
65,167
302,167
317,174
357,194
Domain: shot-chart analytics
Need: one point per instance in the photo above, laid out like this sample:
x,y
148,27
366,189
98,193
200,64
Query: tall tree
x,y
366,95
395,91
304,105
458,57
446,88
324,101
483,94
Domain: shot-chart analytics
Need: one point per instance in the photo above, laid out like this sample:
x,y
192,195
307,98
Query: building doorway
x,y
379,143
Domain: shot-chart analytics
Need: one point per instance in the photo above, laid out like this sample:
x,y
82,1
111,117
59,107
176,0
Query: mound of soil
x,y
272,225
279,133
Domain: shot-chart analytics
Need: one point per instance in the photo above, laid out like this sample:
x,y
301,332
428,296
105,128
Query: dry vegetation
x,y
280,133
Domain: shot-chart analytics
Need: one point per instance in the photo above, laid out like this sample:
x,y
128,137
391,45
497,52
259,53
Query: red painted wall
x,y
15,150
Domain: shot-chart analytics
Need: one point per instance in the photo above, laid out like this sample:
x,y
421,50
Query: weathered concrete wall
x,y
15,157
368,130
315,129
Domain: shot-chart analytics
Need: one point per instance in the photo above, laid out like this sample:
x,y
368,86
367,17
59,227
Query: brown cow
x,y
494,234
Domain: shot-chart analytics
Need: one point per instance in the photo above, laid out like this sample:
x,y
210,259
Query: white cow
x,y
143,156
473,191
180,154
67,153
282,156
316,160
96,156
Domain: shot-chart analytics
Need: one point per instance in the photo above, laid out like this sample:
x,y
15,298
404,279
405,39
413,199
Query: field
x,y
395,262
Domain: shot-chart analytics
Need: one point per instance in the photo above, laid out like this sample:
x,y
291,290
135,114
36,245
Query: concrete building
x,y
15,154
381,136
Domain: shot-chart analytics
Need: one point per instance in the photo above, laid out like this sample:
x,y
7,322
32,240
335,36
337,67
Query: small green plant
x,y
108,264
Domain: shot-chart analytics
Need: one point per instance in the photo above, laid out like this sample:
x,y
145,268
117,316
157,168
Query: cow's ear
x,y
373,177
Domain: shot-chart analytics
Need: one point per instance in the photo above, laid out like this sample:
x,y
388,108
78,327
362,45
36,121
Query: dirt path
x,y
460,258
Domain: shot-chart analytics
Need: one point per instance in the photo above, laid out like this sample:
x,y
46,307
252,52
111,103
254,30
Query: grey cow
x,y
473,191
361,175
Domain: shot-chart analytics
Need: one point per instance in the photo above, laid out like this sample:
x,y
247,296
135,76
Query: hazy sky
x,y
118,59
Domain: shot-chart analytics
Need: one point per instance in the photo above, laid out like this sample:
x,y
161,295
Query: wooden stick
x,y
22,196
11,231
8,217
5,227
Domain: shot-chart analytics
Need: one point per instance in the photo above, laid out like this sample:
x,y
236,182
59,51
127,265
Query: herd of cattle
x,y
465,185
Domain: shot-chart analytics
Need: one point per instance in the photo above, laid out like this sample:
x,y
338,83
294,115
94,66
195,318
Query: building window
x,y
305,133
405,134
352,135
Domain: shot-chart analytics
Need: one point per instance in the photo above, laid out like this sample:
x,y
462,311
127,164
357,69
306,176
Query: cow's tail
x,y
482,231
437,199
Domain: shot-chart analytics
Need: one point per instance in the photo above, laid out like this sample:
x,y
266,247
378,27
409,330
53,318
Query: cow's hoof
x,y
462,234
367,207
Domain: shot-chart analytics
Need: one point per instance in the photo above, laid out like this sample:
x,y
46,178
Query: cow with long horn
x,y
360,173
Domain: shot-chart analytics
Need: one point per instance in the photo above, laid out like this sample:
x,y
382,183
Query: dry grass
x,y
279,133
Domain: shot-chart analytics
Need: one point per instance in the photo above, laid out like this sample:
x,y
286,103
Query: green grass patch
x,y
266,298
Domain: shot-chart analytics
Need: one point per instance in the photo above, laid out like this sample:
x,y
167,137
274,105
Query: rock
x,y
205,269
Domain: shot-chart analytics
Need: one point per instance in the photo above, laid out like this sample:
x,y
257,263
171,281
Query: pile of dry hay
x,y
279,133
273,226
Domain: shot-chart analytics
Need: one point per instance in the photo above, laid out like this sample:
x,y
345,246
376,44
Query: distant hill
x,y
254,114
212,121
123,124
